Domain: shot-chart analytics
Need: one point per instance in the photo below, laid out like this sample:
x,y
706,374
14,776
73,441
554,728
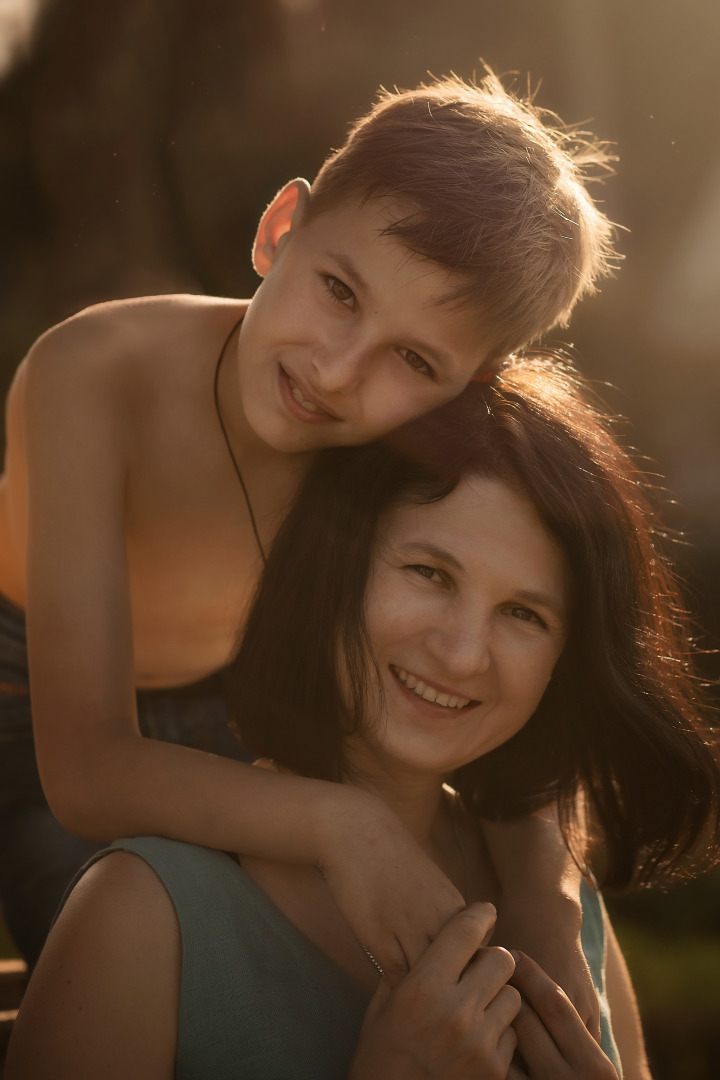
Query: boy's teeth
x,y
297,394
428,693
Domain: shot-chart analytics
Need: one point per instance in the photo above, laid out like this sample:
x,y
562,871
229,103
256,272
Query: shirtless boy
x,y
452,228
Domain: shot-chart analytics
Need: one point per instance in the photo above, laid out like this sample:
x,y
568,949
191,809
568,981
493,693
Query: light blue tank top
x,y
258,1000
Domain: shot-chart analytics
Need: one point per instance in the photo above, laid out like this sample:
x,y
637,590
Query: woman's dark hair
x,y
621,721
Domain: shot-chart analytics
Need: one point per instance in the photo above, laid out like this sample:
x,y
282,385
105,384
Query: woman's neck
x,y
416,798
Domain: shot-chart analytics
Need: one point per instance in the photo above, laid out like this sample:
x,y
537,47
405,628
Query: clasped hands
x,y
466,1011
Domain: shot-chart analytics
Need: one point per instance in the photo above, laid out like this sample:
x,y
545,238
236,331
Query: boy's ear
x,y
284,213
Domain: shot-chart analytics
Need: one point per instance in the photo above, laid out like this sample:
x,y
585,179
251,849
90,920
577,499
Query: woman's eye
x,y
339,290
526,615
428,572
416,363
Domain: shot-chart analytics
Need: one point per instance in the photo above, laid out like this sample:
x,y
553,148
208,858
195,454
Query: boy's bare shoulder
x,y
120,356
127,334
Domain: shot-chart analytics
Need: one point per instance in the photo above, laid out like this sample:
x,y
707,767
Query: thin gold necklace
x,y
229,445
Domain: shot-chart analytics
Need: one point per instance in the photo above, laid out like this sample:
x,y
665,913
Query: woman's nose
x,y
463,646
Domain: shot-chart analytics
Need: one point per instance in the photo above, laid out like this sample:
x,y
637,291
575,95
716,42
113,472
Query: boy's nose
x,y
338,370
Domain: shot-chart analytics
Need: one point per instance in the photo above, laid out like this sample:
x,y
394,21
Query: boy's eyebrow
x,y
349,270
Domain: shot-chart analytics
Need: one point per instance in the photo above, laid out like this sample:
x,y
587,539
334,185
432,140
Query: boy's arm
x,y
540,911
101,778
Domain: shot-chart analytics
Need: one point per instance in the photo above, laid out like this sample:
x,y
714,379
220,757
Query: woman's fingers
x,y
457,944
552,1038
450,1017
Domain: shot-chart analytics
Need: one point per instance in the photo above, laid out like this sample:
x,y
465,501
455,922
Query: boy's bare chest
x,y
193,559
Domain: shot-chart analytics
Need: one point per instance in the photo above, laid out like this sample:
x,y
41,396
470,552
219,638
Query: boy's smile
x,y
301,403
347,336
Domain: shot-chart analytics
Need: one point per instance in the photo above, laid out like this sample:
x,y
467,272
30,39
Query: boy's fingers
x,y
394,962
378,1000
411,946
592,1018
584,998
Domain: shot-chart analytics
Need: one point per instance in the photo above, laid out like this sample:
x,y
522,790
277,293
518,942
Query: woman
x,y
479,603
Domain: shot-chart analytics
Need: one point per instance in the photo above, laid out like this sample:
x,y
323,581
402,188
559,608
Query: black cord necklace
x,y
229,446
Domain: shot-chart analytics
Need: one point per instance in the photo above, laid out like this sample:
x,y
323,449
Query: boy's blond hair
x,y
494,191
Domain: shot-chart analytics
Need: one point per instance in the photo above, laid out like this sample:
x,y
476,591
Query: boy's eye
x,y
339,290
416,363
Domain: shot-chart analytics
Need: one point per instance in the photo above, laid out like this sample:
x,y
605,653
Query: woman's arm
x,y
103,1000
624,1011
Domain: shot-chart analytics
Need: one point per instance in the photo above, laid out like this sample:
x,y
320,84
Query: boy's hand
x,y
550,933
449,1018
393,896
552,1040
540,909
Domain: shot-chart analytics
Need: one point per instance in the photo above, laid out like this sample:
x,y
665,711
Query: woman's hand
x,y
552,1039
450,1017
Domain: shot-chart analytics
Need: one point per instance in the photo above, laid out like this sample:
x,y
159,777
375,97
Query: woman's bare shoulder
x,y
111,965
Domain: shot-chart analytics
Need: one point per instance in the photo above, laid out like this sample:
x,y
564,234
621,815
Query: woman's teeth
x,y
297,394
429,693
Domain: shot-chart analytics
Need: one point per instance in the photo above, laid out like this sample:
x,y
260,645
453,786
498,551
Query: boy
x,y
136,504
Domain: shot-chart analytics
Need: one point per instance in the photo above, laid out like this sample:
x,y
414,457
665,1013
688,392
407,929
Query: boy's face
x,y
346,339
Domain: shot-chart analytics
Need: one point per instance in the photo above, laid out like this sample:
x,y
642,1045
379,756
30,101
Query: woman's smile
x,y
466,610
429,692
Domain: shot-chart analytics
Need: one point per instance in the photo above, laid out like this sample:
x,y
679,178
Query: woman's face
x,y
467,609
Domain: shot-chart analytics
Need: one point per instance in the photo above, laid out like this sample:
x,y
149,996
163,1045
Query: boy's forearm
x,y
529,853
130,786
540,909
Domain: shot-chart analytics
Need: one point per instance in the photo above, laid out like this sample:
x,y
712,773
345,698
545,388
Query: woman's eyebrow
x,y
542,599
536,597
426,547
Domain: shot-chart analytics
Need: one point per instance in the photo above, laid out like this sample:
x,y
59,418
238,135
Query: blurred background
x,y
140,141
